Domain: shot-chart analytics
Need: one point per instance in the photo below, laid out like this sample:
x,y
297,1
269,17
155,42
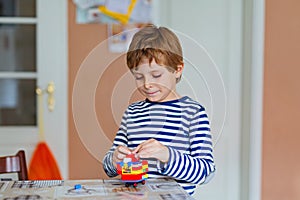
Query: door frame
x,y
53,35
256,104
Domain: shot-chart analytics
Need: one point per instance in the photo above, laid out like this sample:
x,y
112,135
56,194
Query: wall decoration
x,y
113,11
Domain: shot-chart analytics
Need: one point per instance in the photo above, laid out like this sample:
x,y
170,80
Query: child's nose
x,y
147,83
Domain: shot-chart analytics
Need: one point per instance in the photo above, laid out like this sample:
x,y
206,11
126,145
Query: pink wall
x,y
281,113
82,39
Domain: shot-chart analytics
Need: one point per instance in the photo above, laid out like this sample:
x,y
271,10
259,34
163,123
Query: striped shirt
x,y
181,125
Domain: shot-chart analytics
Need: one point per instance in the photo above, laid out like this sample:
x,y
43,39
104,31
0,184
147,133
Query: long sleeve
x,y
120,139
199,164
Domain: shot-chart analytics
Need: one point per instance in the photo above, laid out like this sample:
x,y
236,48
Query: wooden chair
x,y
14,164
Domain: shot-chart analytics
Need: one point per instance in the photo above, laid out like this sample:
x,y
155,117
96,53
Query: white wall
x,y
217,26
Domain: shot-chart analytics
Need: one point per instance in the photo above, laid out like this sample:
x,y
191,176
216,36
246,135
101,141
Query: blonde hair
x,y
158,43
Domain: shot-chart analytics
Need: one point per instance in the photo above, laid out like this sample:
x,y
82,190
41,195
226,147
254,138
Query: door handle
x,y
51,100
50,91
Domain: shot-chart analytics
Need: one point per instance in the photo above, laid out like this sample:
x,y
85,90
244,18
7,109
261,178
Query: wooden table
x,y
156,189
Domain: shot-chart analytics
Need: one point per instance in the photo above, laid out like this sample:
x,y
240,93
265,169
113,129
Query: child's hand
x,y
119,154
152,149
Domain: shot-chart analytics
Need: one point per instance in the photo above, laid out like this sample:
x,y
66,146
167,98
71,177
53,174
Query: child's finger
x,y
124,150
143,144
137,149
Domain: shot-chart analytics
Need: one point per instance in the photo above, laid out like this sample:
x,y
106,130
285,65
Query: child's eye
x,y
156,75
138,77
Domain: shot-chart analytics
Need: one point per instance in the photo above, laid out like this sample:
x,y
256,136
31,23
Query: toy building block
x,y
132,170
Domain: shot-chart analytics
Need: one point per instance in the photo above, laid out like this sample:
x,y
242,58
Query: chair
x,y
14,164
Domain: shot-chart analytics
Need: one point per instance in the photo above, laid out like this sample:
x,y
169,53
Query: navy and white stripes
x,y
183,126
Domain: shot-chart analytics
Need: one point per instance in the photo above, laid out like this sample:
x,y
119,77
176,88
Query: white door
x,y
217,26
33,53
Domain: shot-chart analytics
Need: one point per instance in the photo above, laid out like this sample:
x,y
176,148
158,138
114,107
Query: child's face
x,y
155,81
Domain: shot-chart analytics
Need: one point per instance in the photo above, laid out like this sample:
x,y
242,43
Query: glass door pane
x,y
18,47
17,8
17,102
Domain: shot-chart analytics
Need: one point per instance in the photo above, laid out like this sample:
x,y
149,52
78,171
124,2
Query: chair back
x,y
14,164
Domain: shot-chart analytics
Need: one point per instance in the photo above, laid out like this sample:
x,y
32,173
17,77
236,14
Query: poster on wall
x,y
113,11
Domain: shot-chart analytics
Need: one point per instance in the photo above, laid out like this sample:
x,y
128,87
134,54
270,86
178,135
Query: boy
x,y
170,131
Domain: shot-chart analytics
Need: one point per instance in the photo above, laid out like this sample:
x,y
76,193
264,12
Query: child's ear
x,y
179,70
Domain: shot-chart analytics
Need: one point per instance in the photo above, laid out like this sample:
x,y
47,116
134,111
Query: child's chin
x,y
153,99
